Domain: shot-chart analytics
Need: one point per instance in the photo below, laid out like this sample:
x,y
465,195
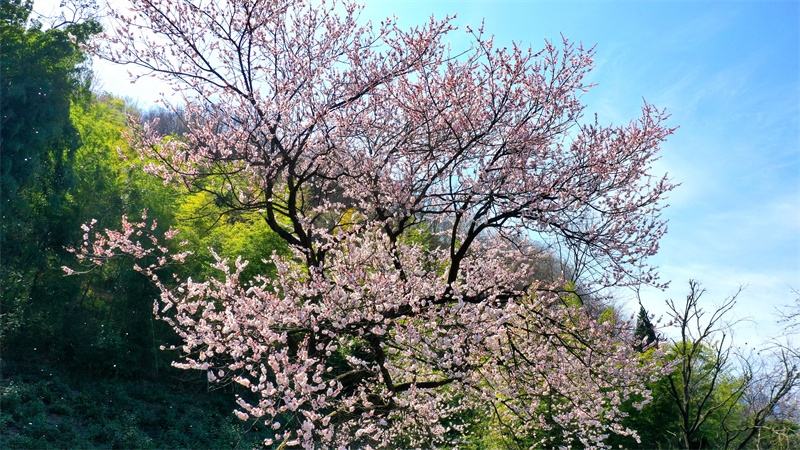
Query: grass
x,y
40,408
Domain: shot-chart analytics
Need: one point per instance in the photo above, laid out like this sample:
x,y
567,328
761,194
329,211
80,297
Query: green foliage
x,y
645,333
42,73
101,322
42,409
778,435
724,395
657,422
96,333
205,227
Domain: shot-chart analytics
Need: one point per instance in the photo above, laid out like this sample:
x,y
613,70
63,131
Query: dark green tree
x,y
42,73
645,333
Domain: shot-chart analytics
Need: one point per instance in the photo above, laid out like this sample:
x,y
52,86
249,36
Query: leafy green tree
x,y
110,322
205,226
42,73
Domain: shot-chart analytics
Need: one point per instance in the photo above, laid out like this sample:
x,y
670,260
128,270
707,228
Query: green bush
x,y
42,409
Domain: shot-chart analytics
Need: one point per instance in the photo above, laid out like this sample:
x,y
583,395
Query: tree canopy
x,y
347,140
42,73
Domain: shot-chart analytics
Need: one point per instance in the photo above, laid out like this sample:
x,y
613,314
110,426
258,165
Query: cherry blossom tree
x,y
351,141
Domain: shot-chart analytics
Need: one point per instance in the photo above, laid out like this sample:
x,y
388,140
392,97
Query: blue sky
x,y
729,74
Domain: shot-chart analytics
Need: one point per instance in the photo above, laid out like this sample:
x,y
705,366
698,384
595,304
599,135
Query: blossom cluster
x,y
365,350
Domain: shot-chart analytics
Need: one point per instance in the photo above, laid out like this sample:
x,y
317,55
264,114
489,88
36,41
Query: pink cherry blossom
x,y
417,187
